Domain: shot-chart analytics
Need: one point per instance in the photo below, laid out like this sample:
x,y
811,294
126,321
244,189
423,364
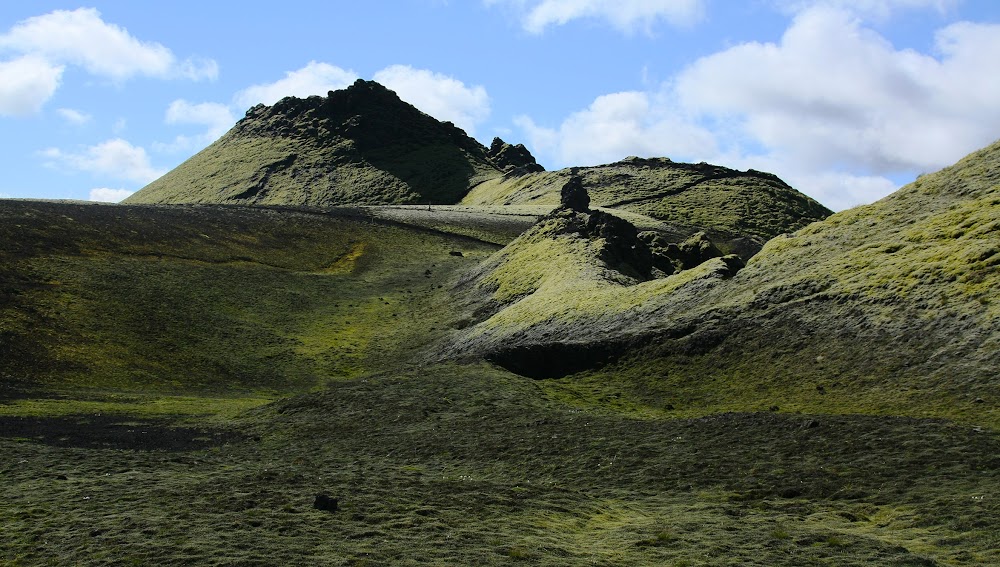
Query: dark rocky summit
x,y
513,159
360,145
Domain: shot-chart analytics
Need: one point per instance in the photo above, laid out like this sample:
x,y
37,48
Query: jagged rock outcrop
x,y
623,247
573,196
561,297
513,159
671,257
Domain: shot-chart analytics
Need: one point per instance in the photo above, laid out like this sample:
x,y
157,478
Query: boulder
x,y
325,503
574,196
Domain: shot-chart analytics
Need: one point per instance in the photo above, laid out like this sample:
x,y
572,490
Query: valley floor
x,y
473,465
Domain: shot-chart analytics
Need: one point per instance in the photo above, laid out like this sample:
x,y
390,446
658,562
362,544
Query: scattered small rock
x,y
325,503
456,253
789,492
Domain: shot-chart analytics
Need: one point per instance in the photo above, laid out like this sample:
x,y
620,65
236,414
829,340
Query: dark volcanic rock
x,y
645,255
511,158
697,249
325,503
623,247
670,257
574,196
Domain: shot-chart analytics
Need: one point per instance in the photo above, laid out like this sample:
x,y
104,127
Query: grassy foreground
x,y
471,465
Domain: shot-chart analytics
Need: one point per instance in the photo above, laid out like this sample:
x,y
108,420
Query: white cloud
x,y
80,37
26,84
874,9
834,93
216,117
73,116
840,190
833,108
114,158
836,188
625,15
313,79
440,96
106,195
615,126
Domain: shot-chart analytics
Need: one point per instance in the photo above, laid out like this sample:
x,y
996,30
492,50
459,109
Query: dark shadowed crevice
x,y
554,360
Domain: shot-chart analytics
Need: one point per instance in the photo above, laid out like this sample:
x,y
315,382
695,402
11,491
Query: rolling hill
x,y
738,210
364,146
360,145
875,309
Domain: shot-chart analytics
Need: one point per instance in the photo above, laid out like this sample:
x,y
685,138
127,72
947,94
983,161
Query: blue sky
x,y
844,99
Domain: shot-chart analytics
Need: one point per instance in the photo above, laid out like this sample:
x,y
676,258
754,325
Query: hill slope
x,y
888,307
200,299
361,145
723,427
738,210
365,146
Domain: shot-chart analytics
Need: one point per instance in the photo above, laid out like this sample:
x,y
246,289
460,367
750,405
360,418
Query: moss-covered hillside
x,y
876,309
365,146
210,299
361,145
740,210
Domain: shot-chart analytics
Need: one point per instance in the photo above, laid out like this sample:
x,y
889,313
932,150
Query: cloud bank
x,y
833,107
316,78
440,96
44,45
626,16
115,158
107,195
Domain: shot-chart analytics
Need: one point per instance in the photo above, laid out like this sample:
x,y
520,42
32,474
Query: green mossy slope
x,y
724,428
213,299
889,308
361,145
739,210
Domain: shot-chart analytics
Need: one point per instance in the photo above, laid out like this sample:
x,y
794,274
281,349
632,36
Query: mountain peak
x,y
359,145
